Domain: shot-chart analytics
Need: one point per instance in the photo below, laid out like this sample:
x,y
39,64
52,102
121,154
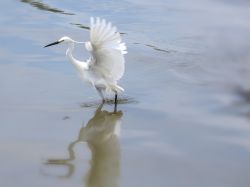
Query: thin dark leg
x,y
115,109
116,98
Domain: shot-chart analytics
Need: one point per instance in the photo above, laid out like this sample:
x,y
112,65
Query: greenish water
x,y
183,119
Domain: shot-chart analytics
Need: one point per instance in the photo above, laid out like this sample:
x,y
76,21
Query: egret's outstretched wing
x,y
106,48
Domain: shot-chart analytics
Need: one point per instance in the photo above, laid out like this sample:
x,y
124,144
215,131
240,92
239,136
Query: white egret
x,y
106,64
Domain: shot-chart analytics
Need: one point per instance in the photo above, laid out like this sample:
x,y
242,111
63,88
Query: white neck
x,y
79,65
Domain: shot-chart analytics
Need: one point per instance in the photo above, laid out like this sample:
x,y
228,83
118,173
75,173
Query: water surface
x,y
184,119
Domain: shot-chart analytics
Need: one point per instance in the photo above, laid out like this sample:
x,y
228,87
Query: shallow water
x,y
184,119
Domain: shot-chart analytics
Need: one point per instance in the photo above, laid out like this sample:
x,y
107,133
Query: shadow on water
x,y
244,94
241,104
42,6
101,134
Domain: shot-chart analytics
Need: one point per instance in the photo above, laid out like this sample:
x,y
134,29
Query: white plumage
x,y
106,49
106,64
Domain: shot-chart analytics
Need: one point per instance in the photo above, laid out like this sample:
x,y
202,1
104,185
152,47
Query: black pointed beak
x,y
54,43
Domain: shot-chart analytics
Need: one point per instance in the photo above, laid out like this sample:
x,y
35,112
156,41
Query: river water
x,y
183,120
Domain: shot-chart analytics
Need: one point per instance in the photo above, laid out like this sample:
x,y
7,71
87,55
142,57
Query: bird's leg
x,y
99,90
115,98
115,109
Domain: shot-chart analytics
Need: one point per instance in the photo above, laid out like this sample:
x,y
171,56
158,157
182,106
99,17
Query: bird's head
x,y
65,39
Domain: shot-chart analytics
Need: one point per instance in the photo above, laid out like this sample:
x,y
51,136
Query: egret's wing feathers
x,y
107,49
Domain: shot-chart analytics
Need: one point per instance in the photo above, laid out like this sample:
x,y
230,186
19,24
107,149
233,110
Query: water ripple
x,y
42,6
122,100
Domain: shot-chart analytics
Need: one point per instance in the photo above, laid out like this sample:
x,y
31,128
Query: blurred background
x,y
183,120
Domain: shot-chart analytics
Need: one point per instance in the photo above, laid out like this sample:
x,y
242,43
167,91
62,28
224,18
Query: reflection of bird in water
x,y
102,136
